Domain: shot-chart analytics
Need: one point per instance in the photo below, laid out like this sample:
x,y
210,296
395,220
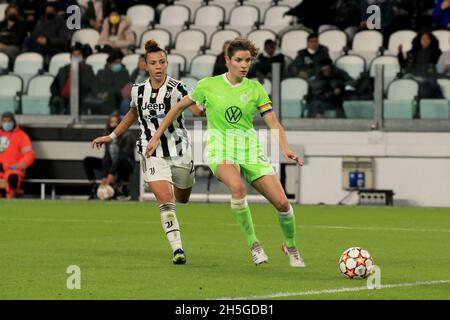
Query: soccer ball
x,y
105,192
356,263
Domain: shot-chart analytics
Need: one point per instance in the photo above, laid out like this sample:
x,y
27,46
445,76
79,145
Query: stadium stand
x,y
36,99
260,36
97,61
11,87
275,18
28,64
293,41
162,36
219,37
86,36
401,99
293,92
4,61
57,61
202,66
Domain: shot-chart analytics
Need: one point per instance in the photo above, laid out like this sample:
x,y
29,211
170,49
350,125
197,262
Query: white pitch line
x,y
226,224
329,291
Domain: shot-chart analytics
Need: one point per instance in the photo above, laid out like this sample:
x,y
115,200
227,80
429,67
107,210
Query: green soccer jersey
x,y
230,110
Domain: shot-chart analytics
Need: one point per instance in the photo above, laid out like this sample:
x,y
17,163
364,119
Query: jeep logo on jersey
x,y
154,106
233,114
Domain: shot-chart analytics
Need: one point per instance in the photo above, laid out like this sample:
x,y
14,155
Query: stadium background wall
x,y
415,165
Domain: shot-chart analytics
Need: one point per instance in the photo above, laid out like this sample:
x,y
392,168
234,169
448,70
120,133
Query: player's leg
x,y
230,176
182,195
270,187
158,176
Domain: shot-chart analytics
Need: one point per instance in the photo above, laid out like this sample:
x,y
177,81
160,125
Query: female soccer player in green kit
x,y
231,101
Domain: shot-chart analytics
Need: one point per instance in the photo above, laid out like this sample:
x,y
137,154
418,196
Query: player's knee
x,y
13,181
238,190
164,197
283,205
182,199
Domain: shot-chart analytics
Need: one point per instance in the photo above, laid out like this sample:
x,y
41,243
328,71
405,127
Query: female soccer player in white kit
x,y
169,172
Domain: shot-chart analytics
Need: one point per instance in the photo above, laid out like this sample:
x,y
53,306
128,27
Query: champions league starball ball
x,y
105,192
356,263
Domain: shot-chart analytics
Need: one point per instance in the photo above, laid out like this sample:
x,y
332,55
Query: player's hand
x,y
290,155
151,147
98,142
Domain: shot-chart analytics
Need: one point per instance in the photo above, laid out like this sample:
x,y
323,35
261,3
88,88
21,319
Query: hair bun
x,y
151,45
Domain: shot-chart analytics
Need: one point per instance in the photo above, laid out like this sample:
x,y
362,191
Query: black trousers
x,y
92,164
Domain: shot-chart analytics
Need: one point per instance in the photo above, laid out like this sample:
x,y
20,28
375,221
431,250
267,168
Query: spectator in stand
x,y
263,64
13,31
108,84
327,90
441,13
443,64
96,11
425,52
60,88
117,163
32,10
50,36
220,66
116,32
139,74
347,16
16,154
306,64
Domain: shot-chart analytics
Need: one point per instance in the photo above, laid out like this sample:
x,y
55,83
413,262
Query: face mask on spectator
x,y
115,19
77,59
50,15
8,126
12,17
311,51
116,67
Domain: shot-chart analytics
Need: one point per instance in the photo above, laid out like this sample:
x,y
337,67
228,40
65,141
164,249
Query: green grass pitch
x,y
123,254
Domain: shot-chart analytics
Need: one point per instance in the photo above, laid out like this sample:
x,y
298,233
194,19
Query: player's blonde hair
x,y
152,46
241,44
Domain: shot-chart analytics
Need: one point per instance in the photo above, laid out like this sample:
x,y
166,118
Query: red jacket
x,y
15,149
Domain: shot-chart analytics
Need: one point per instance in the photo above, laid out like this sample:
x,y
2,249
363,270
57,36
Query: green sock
x,y
241,212
288,227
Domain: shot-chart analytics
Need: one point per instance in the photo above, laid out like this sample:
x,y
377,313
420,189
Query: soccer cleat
x,y
295,260
179,257
258,254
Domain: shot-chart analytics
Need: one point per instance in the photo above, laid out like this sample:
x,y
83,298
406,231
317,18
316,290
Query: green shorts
x,y
250,171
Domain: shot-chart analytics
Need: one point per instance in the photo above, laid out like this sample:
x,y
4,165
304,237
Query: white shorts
x,y
178,171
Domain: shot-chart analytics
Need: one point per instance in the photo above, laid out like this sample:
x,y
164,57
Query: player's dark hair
x,y
241,44
153,46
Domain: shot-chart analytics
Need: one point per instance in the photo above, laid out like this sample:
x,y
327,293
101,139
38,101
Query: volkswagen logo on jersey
x,y
4,143
233,114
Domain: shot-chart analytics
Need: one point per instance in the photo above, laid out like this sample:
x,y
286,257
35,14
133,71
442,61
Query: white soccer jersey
x,y
152,106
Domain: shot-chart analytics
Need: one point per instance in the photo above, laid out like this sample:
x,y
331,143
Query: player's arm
x,y
174,113
123,126
276,128
197,111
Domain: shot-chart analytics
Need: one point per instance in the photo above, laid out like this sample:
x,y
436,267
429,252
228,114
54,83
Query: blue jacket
x,y
442,17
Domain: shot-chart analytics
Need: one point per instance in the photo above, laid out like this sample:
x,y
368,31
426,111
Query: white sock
x,y
170,225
